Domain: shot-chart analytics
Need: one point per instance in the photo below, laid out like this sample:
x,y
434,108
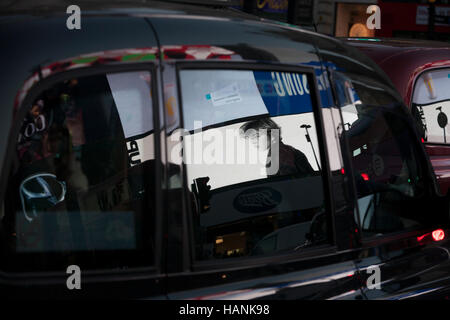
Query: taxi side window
x,y
81,186
253,164
385,163
431,105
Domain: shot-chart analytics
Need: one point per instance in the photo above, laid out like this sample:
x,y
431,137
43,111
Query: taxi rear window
x,y
81,186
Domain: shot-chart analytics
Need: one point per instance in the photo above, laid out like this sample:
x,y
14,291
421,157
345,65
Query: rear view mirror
x,y
40,192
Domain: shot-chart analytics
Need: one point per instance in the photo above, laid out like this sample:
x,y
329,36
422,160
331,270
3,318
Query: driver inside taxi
x,y
282,159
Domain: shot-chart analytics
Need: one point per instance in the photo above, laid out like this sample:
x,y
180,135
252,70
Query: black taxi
x,y
171,151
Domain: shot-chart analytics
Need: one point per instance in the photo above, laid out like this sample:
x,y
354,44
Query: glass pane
x,y
387,172
253,166
81,191
431,105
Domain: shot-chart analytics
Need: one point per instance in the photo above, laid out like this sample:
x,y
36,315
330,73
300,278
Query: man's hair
x,y
256,125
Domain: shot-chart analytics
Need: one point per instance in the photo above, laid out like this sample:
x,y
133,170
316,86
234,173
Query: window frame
x,y
101,274
337,76
422,161
233,263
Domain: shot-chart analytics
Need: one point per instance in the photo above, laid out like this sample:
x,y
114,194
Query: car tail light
x,y
438,235
421,237
365,176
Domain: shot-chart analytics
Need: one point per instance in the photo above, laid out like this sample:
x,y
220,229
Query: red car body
x,y
404,61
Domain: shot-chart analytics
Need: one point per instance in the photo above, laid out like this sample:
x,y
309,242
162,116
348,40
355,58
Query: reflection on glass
x,y
431,105
82,185
388,177
253,165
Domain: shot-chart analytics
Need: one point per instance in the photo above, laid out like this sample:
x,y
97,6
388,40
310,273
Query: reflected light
x,y
438,235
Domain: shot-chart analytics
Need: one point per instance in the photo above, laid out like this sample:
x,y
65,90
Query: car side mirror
x,y
40,192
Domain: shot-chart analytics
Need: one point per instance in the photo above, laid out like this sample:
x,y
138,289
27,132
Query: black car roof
x,y
104,7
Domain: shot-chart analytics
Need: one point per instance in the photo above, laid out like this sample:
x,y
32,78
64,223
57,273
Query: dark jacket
x,y
291,162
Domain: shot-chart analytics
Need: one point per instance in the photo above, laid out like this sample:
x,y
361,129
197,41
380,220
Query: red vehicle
x,y
414,20
420,70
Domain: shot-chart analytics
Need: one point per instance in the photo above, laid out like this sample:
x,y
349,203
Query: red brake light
x,y
421,237
438,235
342,171
365,176
423,140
